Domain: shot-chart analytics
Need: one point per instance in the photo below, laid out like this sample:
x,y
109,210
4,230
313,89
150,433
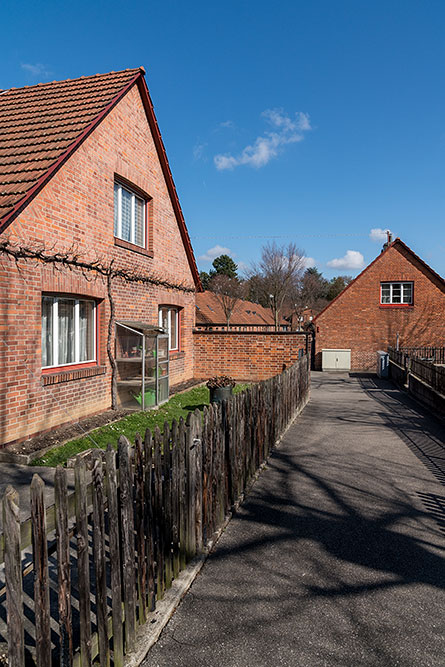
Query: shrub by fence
x,y
146,512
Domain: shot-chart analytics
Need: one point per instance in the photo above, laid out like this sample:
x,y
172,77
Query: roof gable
x,y
399,245
42,126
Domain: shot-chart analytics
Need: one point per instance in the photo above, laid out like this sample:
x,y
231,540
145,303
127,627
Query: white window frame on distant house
x,y
169,315
76,335
397,293
137,228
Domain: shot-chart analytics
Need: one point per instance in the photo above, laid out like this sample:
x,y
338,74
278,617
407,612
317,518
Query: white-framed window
x,y
68,331
169,321
396,293
129,215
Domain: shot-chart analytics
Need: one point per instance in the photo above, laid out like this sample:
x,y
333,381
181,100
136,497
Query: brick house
x,y
89,221
246,315
397,296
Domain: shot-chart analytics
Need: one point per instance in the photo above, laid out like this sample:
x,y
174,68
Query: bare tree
x,y
279,269
228,292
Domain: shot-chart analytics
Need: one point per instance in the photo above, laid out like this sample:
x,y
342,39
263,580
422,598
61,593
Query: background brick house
x,y
84,176
397,294
246,315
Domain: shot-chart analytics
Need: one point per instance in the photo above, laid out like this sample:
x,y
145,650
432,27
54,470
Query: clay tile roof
x,y
209,311
39,124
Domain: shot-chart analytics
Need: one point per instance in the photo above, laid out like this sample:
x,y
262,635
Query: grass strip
x,y
178,406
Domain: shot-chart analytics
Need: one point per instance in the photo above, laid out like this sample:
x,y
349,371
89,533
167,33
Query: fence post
x,y
182,495
140,522
115,557
13,576
148,516
63,563
175,496
41,580
197,442
83,561
167,505
158,499
99,558
190,487
127,524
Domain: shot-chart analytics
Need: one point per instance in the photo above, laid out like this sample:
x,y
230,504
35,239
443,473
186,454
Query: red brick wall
x,y
76,208
245,355
357,321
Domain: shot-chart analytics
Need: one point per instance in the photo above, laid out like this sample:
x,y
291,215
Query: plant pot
x,y
220,394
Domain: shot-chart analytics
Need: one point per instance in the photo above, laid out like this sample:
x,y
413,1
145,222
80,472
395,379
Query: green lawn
x,y
137,422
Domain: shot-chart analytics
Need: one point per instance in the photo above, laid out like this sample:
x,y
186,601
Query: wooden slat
x,y
197,443
190,488
175,496
127,534
160,574
115,557
83,563
13,575
100,558
167,504
182,496
148,516
139,527
41,579
63,568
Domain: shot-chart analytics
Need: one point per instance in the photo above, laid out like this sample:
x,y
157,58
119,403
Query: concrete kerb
x,y
149,633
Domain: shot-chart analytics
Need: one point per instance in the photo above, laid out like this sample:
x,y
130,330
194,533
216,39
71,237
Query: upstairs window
x,y
169,321
68,331
129,216
399,293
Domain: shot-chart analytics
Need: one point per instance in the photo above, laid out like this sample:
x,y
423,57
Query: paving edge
x,y
149,633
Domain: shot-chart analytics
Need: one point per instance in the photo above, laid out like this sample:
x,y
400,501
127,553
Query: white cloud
x,y
227,123
352,260
36,69
199,151
378,234
286,130
216,251
309,262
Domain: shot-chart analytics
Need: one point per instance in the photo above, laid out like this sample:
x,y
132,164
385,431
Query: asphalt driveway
x,y
338,555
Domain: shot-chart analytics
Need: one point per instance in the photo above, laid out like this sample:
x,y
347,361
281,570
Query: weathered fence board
x,y
147,512
41,578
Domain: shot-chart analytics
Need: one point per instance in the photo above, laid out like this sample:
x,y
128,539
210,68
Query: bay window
x,y
68,331
129,215
169,321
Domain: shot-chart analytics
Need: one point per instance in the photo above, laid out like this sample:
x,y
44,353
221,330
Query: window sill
x,y
49,378
131,246
176,355
408,306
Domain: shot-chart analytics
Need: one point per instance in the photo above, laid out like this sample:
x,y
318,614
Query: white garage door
x,y
336,360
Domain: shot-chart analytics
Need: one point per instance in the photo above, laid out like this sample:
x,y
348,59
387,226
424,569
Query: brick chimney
x,y
389,240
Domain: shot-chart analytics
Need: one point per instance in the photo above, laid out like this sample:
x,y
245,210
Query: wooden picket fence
x,y
81,575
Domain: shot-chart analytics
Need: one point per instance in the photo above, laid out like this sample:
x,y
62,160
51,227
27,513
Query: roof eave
x,y
149,109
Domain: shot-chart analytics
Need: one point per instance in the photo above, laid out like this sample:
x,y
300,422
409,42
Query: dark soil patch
x,y
62,434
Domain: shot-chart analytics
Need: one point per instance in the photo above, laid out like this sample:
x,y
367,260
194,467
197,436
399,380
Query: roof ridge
x,y
134,71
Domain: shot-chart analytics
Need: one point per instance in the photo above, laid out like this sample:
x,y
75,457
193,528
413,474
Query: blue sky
x,y
313,122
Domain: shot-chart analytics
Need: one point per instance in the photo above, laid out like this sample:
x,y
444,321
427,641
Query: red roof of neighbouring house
x,y
41,126
246,313
396,243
